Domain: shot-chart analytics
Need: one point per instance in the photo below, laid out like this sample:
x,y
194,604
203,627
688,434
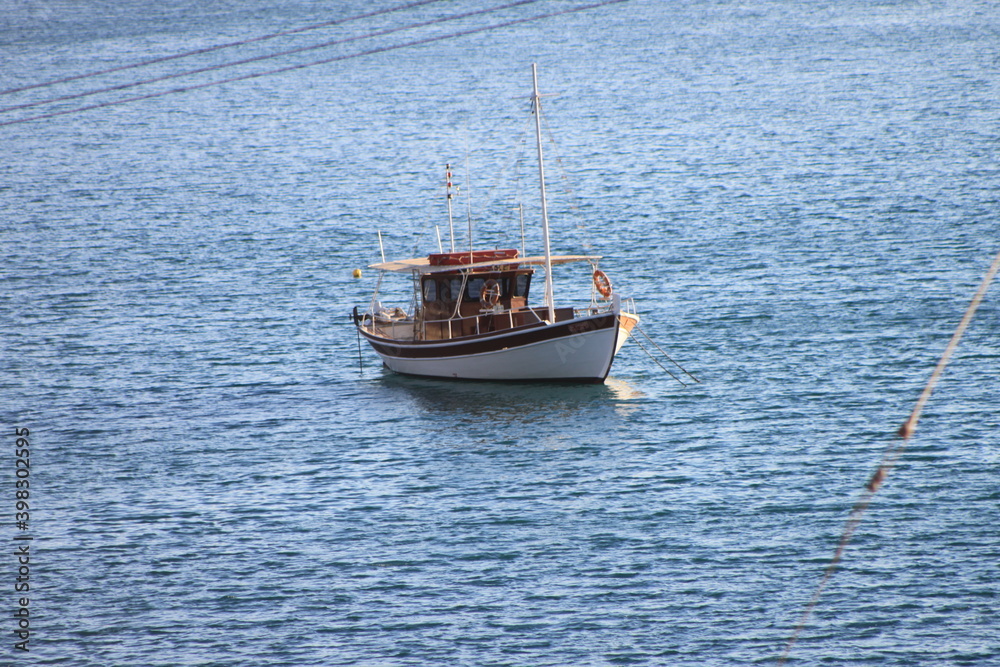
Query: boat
x,y
470,319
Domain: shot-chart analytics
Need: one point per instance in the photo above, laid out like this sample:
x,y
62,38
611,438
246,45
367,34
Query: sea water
x,y
801,197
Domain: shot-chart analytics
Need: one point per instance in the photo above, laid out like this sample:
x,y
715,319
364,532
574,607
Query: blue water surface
x,y
801,197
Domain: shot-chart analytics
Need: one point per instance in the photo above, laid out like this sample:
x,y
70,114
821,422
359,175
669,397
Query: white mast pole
x,y
451,225
549,301
468,197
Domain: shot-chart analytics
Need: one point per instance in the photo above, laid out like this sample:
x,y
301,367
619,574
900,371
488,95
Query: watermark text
x,y
22,539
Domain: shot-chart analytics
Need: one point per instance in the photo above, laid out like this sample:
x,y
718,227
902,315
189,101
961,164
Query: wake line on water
x,y
892,454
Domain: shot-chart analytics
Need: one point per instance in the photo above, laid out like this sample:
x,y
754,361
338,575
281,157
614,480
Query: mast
x,y
537,99
451,225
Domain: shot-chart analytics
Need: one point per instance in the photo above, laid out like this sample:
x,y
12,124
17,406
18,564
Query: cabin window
x,y
521,284
474,287
442,289
451,289
430,290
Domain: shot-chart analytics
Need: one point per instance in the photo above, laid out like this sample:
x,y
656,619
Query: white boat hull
x,y
581,357
580,350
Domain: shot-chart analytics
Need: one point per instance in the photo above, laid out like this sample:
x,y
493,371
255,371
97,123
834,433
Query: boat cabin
x,y
476,300
462,294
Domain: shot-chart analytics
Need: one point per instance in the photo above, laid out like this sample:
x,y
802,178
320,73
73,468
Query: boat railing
x,y
389,328
397,324
485,321
598,307
593,309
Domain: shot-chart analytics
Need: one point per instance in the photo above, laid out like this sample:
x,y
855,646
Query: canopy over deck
x,y
422,265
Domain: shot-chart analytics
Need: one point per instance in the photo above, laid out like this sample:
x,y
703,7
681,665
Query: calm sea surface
x,y
802,198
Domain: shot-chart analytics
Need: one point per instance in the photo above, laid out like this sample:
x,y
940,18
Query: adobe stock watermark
x,y
22,539
568,347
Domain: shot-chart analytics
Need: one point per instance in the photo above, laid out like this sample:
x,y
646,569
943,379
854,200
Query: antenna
x,y
468,195
451,224
520,214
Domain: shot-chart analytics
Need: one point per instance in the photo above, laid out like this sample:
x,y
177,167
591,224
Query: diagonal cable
x,y
218,47
892,454
290,68
267,56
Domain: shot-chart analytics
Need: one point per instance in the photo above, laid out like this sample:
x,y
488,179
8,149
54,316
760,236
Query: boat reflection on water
x,y
511,402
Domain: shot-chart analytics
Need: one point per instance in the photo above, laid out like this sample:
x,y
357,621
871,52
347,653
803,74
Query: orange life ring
x,y
602,283
489,295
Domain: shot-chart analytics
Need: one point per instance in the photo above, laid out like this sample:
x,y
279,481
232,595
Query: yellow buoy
x,y
357,273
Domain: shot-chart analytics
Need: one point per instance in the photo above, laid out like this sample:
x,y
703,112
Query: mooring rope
x,y
665,354
655,360
892,454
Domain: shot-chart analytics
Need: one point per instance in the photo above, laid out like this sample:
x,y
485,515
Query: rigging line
x,y
643,332
567,188
892,453
218,47
655,360
290,68
354,319
507,163
268,56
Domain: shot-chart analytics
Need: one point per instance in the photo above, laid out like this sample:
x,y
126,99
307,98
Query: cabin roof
x,y
422,265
